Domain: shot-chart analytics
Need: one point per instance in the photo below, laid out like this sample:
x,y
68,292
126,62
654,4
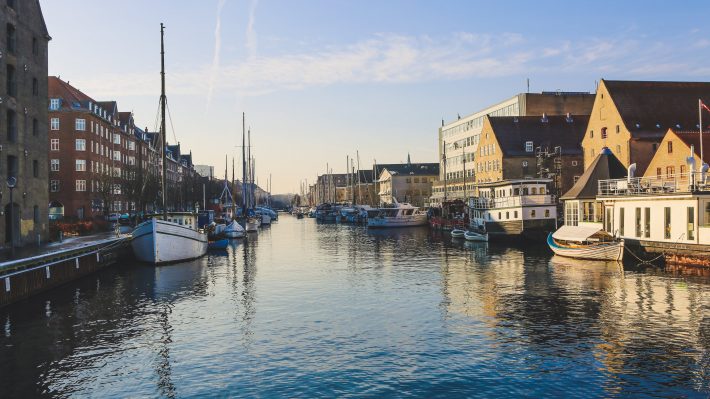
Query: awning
x,y
575,233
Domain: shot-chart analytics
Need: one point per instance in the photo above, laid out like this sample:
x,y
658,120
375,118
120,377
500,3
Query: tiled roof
x,y
693,138
410,169
649,108
604,166
512,132
58,88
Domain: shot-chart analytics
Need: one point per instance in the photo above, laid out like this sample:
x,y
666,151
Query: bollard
x,y
39,240
61,236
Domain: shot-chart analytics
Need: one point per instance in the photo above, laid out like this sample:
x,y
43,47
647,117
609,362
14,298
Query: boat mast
x,y
162,117
359,192
444,171
463,153
244,170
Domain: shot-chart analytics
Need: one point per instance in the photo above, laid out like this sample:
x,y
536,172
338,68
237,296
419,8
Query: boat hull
x,y
472,236
607,252
251,225
157,241
265,219
387,222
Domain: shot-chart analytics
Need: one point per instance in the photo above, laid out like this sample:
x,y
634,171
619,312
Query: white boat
x,y
586,242
474,236
234,230
457,233
265,218
176,237
403,215
252,225
159,241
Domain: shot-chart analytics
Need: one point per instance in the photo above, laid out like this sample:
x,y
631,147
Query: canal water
x,y
310,310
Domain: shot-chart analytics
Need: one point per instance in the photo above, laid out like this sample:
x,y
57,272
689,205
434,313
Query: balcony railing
x,y
655,185
506,202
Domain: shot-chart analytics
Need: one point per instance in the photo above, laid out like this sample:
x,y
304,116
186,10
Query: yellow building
x,y
632,117
670,159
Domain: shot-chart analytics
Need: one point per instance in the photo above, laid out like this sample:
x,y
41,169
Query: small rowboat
x,y
473,236
457,233
583,242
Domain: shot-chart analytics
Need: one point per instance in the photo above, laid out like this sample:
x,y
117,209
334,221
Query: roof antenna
x,y
528,81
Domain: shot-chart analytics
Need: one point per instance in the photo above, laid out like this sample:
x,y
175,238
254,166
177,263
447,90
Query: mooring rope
x,y
644,261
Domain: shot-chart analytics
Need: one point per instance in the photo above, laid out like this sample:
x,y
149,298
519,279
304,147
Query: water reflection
x,y
307,309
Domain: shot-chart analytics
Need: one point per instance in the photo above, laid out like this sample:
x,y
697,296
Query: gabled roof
x,y
693,138
650,108
57,88
512,132
604,166
365,176
111,107
410,169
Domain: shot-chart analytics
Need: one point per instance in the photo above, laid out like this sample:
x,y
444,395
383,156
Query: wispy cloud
x,y
217,49
397,59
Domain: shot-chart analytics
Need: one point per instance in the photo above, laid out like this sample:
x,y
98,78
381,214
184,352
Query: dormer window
x,y
528,146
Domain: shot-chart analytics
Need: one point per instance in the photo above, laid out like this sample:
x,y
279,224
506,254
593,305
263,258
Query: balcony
x,y
682,183
514,201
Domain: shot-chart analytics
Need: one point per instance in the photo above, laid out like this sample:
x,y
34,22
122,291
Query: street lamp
x,y
11,184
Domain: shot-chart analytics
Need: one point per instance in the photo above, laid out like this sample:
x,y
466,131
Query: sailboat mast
x,y
244,169
251,176
359,192
162,118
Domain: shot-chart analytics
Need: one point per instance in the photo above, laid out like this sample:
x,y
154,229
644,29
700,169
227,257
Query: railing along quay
x,y
22,278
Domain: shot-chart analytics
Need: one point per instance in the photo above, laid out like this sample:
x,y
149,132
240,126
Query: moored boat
x,y
457,233
586,242
218,244
474,236
159,241
234,230
402,215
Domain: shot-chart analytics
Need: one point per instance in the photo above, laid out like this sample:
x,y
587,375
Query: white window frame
x,y
117,138
529,146
81,165
54,145
54,186
79,147
81,185
54,104
54,165
54,123
80,124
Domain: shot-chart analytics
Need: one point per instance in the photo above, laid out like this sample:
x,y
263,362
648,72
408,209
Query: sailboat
x,y
176,237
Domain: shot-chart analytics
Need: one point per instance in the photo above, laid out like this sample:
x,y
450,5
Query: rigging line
x,y
171,121
157,118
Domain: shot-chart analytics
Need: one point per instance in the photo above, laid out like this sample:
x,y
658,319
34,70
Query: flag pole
x,y
700,126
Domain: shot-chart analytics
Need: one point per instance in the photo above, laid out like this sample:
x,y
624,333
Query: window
x,y
532,213
592,152
81,165
35,168
647,222
670,170
81,185
621,222
11,126
11,165
80,124
54,123
658,172
117,157
35,214
603,133
588,211
54,186
571,213
618,129
80,145
547,213
116,138
507,215
670,147
667,222
638,222
575,179
54,104
11,80
54,145
682,169
515,214
575,163
35,46
11,39
35,127
691,223
608,220
35,87
528,146
54,165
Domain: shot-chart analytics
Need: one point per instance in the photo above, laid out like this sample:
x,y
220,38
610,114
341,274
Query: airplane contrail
x,y
217,49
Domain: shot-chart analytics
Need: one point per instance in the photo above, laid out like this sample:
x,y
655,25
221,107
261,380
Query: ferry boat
x,y
401,215
514,208
167,241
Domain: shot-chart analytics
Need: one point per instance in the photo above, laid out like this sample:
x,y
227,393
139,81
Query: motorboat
x,y
457,233
252,224
586,242
166,241
234,230
475,236
401,215
218,244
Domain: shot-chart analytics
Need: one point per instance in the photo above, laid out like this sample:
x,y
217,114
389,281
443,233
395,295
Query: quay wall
x,y
52,270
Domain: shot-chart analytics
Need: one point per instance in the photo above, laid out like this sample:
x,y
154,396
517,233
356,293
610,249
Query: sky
x,y
320,80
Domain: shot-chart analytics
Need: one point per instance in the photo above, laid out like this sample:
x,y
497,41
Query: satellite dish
x,y
11,182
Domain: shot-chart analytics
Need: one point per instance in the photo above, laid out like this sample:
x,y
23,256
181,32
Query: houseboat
x,y
514,208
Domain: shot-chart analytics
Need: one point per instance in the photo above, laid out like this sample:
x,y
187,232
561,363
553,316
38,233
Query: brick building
x,y
23,123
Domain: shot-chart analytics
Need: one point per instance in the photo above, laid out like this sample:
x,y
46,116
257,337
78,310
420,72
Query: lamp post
x,y
11,184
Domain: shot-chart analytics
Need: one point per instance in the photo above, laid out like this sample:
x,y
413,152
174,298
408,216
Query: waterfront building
x,y
632,117
518,147
326,187
459,139
24,121
205,171
671,157
408,182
